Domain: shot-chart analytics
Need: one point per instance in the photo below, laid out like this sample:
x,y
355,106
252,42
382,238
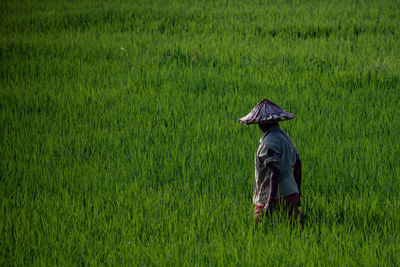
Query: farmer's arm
x,y
272,157
274,181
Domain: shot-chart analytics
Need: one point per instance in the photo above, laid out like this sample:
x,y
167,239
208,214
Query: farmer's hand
x,y
258,213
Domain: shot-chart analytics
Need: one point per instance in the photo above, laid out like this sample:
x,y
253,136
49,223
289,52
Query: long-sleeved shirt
x,y
276,148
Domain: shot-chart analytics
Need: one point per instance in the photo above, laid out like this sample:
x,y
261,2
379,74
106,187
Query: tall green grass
x,y
119,140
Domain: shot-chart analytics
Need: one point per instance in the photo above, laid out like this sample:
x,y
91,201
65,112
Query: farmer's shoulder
x,y
274,135
272,139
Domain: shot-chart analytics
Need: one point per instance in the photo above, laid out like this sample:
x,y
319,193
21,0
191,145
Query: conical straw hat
x,y
266,112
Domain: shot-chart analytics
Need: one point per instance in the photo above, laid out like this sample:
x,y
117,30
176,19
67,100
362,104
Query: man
x,y
277,164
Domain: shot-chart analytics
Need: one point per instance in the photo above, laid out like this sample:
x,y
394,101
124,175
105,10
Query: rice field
x,y
119,141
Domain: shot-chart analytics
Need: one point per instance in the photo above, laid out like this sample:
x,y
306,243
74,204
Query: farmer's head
x,y
266,126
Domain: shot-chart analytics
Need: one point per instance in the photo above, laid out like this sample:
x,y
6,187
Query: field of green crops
x,y
119,141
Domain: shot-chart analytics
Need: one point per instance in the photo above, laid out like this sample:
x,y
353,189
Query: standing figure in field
x,y
277,165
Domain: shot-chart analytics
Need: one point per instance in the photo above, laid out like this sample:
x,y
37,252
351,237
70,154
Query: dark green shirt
x,y
276,148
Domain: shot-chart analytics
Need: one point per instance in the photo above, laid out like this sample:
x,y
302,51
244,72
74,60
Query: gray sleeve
x,y
270,153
